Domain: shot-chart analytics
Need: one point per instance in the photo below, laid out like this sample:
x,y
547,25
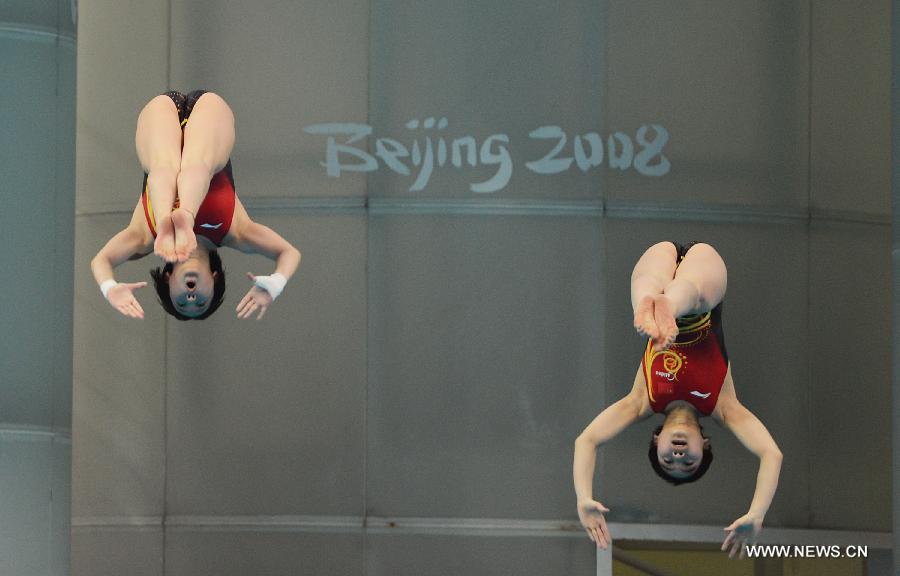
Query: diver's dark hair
x,y
161,283
701,469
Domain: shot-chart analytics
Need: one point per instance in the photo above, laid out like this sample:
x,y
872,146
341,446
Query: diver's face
x,y
679,448
191,286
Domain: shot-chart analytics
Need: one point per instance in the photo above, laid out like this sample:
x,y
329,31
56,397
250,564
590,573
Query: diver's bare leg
x,y
208,140
698,286
653,271
158,143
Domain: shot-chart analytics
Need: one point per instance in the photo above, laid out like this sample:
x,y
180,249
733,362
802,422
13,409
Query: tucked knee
x,y
161,104
664,249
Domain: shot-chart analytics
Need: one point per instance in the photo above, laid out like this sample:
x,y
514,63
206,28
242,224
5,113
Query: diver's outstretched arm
x,y
603,428
748,429
128,244
255,238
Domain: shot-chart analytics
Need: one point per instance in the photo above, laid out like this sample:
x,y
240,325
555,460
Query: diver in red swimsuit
x,y
187,210
676,294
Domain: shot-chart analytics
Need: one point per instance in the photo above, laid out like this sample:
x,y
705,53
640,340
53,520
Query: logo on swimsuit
x,y
214,227
672,363
700,395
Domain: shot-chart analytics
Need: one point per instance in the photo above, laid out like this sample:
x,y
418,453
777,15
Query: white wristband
x,y
106,285
273,284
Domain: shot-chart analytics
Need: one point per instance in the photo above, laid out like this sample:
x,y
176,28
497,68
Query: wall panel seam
x,y
494,527
717,214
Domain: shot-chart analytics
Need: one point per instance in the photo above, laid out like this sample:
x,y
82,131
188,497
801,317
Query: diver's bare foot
x,y
665,321
185,240
164,245
644,321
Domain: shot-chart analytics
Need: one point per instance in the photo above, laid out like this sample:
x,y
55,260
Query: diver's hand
x,y
256,299
742,532
121,297
591,512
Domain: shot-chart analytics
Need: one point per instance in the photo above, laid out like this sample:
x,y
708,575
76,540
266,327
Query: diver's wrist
x,y
757,514
106,286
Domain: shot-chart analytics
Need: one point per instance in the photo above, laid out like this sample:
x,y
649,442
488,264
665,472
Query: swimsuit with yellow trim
x,y
148,206
708,359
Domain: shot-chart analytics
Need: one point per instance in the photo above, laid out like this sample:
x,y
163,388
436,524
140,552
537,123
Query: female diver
x,y
188,208
676,295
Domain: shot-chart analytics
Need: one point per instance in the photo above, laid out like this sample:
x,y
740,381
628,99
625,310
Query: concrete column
x,y
37,148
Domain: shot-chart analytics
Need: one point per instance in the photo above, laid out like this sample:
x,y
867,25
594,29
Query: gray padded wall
x,y
485,312
730,81
430,365
850,333
118,476
37,151
895,284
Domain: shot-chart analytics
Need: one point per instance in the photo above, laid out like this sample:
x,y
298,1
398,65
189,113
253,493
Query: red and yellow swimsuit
x,y
693,368
213,218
